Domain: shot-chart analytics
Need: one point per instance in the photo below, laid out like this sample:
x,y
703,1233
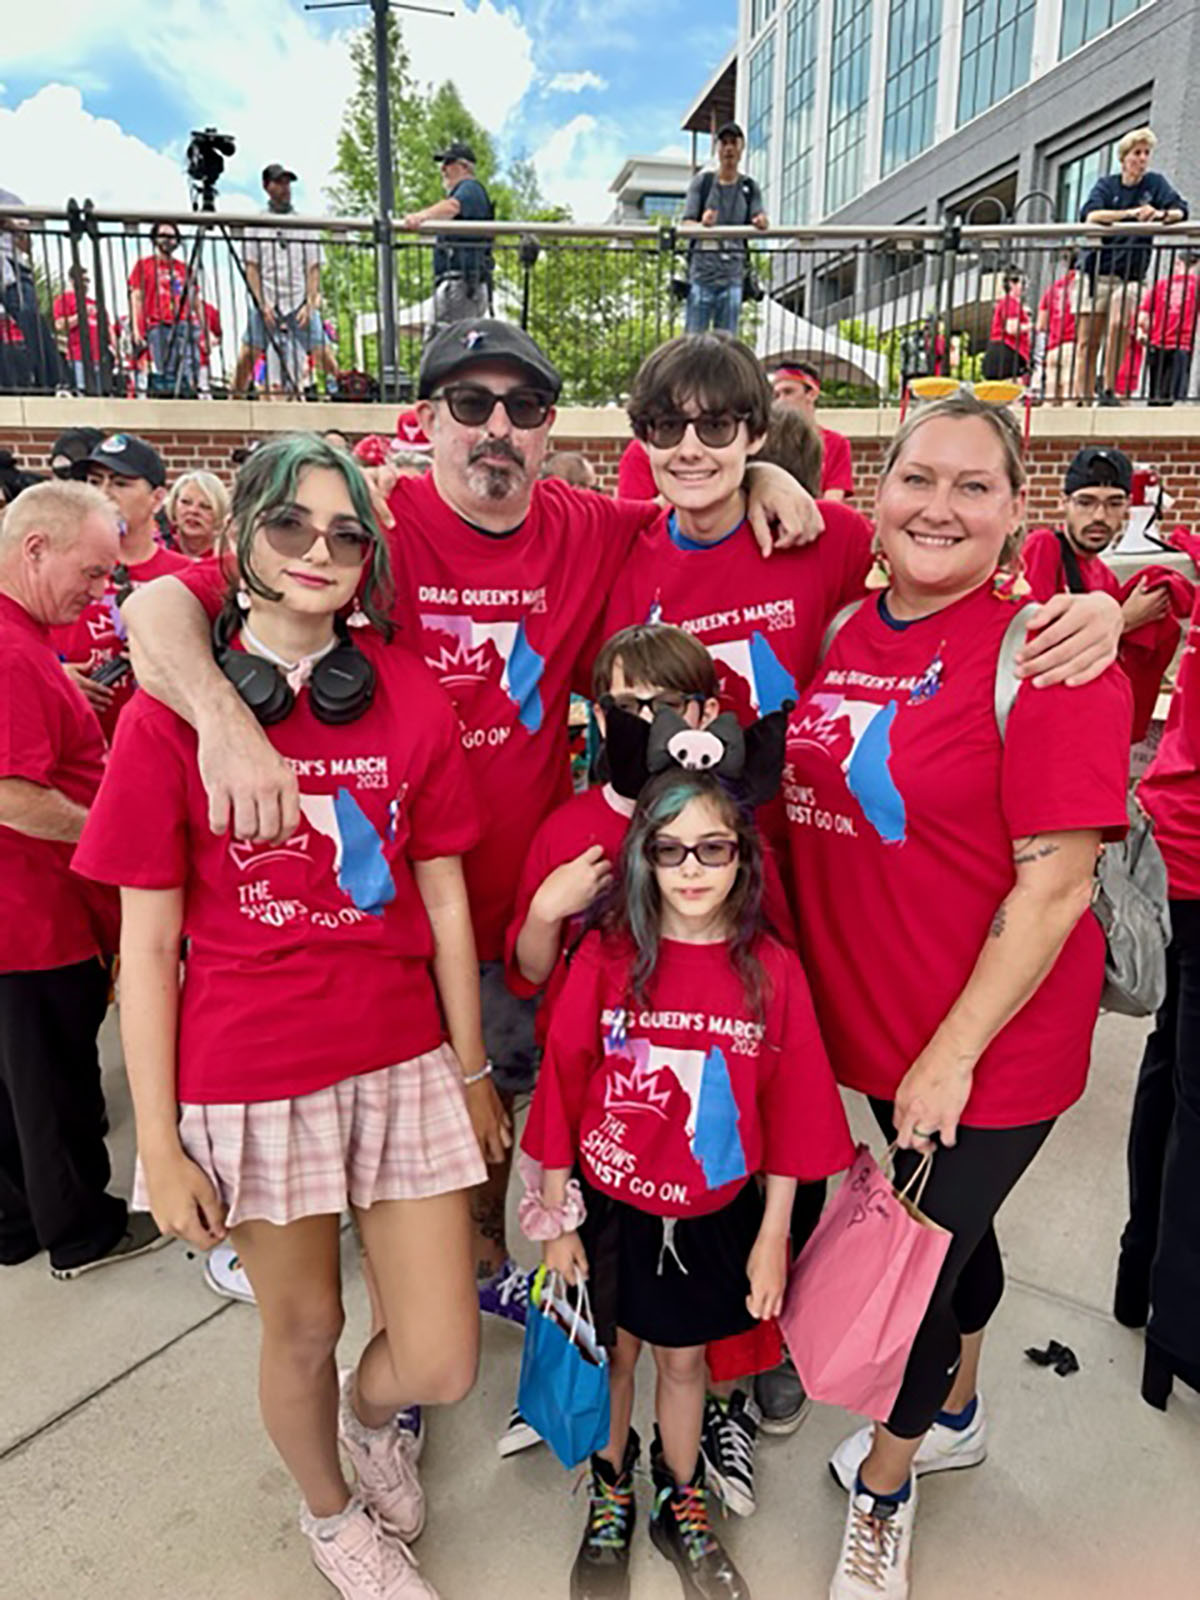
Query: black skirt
x,y
1000,360
670,1282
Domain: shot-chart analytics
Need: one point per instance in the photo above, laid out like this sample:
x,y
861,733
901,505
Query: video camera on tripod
x,y
206,162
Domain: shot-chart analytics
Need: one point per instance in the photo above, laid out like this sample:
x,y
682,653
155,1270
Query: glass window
x,y
1076,177
760,106
849,76
662,205
761,11
910,99
799,109
996,51
1083,20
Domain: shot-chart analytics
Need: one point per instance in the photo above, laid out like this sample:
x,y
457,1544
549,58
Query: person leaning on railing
x,y
1111,271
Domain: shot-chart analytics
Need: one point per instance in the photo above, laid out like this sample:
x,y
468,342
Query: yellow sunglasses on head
x,y
992,391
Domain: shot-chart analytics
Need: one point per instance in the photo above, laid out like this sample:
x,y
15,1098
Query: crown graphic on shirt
x,y
461,662
244,854
639,1087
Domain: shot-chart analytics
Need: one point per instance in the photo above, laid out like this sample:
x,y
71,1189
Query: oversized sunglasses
x,y
472,405
713,428
289,536
709,852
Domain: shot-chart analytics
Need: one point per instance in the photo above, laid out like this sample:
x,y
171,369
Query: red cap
x,y
409,432
371,451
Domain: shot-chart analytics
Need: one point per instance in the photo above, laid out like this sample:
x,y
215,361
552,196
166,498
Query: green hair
x,y
268,479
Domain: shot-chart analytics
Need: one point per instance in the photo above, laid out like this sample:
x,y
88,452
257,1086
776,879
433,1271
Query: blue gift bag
x,y
563,1391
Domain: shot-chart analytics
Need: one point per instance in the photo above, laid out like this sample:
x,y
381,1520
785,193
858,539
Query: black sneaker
x,y
727,1442
601,1570
141,1236
681,1531
781,1399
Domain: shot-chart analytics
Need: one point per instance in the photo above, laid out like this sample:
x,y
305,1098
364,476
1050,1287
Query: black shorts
x,y
671,1283
1000,360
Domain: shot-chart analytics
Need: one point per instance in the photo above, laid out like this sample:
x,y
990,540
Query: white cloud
x,y
54,148
576,82
487,53
578,162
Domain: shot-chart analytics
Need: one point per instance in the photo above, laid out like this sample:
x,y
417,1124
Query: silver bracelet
x,y
477,1077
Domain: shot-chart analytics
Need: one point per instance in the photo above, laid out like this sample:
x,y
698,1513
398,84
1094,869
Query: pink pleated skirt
x,y
398,1133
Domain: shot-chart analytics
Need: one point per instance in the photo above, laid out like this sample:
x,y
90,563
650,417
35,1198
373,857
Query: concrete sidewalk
x,y
133,1465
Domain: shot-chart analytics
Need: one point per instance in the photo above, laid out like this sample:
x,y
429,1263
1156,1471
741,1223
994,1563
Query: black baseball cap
x,y
729,130
1099,467
72,446
467,344
275,171
126,455
456,150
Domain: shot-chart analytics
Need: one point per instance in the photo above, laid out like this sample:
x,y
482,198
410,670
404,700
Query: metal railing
x,y
869,307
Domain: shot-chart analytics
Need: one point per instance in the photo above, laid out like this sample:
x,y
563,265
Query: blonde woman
x,y
196,508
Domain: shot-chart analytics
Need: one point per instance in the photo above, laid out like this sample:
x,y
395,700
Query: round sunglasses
x,y
709,852
665,700
713,428
290,537
472,405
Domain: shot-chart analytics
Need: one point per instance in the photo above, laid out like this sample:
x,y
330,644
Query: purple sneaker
x,y
506,1295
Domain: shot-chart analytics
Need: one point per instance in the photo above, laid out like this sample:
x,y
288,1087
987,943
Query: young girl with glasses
x,y
683,1058
325,1050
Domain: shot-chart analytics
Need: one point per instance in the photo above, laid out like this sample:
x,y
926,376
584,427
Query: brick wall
x,y
1176,458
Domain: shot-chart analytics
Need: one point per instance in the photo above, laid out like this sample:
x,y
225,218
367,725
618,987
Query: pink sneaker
x,y
384,1461
362,1562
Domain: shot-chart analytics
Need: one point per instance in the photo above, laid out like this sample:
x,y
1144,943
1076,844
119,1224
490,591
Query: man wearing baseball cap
x,y
797,385
717,267
283,273
462,266
93,648
501,582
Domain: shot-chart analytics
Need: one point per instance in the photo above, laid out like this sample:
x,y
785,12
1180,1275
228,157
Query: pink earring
x,y
880,575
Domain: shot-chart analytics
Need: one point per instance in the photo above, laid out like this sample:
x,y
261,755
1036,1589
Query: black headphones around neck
x,y
340,687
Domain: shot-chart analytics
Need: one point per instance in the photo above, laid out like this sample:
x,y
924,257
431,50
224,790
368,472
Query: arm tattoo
x,y
998,922
1029,850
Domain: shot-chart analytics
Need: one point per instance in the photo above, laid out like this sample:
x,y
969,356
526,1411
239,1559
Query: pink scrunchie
x,y
539,1221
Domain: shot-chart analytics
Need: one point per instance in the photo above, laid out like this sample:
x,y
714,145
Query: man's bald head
x,y
58,544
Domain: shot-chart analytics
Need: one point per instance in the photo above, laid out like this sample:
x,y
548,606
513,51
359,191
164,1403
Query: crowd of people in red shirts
x,y
363,920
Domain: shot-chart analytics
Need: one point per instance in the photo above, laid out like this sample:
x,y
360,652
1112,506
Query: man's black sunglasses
x,y
472,405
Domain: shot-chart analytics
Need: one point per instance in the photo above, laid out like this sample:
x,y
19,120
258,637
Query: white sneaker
x,y
941,1450
876,1558
225,1275
519,1435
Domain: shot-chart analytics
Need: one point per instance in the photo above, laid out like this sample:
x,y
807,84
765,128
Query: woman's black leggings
x,y
968,1184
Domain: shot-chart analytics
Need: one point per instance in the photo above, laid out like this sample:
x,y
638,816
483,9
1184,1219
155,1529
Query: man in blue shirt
x,y
462,266
1112,272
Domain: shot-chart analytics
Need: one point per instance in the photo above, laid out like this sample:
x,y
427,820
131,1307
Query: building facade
x,y
900,111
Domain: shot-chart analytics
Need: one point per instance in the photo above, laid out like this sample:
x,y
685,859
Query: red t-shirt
x,y
1058,303
673,1106
837,469
98,634
49,736
309,960
66,305
1007,308
162,286
1170,791
903,804
1047,575
635,479
504,623
1171,306
762,620
599,816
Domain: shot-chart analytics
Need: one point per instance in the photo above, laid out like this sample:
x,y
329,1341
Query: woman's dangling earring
x,y
242,600
880,575
1009,581
358,618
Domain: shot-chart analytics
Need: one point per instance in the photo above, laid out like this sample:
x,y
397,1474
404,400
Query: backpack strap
x,y
1007,682
1070,562
836,624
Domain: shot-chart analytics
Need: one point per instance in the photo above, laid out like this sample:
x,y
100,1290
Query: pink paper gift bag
x,y
859,1289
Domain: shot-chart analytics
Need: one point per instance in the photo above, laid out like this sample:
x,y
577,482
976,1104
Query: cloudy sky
x,y
99,101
